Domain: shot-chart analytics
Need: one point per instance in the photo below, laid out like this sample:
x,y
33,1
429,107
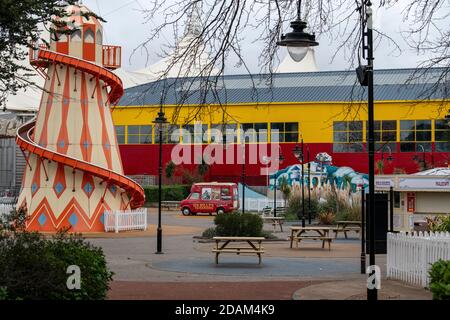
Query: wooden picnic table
x,y
275,221
322,234
345,226
253,246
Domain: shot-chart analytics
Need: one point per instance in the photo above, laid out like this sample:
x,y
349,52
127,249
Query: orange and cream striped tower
x,y
74,170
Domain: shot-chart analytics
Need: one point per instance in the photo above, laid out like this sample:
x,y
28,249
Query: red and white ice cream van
x,y
209,197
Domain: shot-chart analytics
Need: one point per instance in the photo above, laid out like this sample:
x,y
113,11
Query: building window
x,y
195,134
139,134
227,133
396,199
385,135
348,136
442,136
88,36
120,134
76,36
254,132
171,134
99,37
415,135
287,131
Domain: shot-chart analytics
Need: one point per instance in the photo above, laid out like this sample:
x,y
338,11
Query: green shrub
x,y
35,267
168,193
440,280
170,169
3,293
440,223
209,233
238,224
32,267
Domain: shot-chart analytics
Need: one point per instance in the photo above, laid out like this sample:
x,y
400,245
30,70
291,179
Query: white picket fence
x,y
122,220
253,204
6,208
409,256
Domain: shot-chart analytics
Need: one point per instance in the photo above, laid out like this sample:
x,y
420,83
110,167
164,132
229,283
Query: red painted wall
x,y
143,160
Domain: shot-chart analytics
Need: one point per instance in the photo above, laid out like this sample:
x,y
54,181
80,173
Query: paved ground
x,y
260,290
186,270
357,290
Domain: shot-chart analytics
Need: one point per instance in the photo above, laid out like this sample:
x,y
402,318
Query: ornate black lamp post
x,y
298,43
309,184
280,160
160,121
298,153
365,76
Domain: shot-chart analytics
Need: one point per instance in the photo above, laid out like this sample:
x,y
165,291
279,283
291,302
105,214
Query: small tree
x,y
170,170
203,168
380,166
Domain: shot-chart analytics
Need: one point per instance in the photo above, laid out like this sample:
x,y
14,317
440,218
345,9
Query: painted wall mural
x,y
321,172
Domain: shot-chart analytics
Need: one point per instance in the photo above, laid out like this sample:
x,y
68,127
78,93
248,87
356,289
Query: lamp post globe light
x,y
298,41
160,122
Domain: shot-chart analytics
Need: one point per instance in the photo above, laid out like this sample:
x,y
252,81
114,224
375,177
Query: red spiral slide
x,y
25,132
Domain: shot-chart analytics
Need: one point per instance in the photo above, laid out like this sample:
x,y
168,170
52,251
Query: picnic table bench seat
x,y
347,226
252,248
321,233
324,239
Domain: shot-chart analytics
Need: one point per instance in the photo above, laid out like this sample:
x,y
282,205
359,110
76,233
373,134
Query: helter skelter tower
x,y
74,170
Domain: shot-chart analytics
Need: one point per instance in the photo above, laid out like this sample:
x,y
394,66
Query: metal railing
x,y
112,56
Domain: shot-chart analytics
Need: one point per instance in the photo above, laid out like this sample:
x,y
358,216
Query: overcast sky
x,y
125,27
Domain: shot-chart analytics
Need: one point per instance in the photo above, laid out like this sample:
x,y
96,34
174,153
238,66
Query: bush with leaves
x,y
169,193
35,267
238,225
170,169
439,224
209,233
440,280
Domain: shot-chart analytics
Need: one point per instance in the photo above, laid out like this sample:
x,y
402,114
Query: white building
x,y
417,196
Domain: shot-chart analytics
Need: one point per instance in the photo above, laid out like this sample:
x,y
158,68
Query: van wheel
x,y
220,211
186,212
